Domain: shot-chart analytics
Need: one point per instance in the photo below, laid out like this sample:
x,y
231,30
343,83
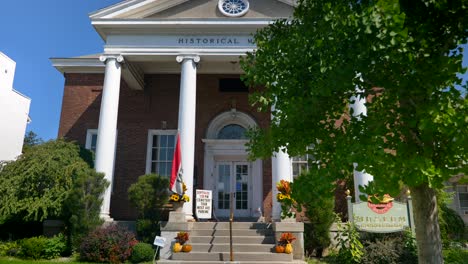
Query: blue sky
x,y
34,31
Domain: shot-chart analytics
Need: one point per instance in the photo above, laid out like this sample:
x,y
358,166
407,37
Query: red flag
x,y
176,173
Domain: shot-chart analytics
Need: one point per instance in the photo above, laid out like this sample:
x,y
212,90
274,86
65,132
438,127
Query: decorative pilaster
x,y
187,110
107,129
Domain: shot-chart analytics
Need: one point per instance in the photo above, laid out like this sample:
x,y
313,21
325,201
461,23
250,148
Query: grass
x,y
315,261
53,261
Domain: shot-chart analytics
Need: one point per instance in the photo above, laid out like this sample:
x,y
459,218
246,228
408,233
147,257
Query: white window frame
x,y
462,210
149,146
306,162
89,137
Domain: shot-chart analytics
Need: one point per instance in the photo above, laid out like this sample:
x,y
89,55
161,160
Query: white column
x,y
360,178
187,108
280,170
107,129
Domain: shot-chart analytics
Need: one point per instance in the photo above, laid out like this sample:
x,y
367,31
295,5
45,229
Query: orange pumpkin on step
x,y
279,249
186,248
288,249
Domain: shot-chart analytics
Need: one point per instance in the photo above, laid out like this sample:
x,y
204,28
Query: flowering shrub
x,y
107,244
182,237
284,197
183,198
286,238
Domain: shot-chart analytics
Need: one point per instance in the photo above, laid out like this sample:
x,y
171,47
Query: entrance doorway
x,y
233,177
226,168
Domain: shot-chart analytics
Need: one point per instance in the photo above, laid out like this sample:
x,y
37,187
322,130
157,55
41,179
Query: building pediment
x,y
175,9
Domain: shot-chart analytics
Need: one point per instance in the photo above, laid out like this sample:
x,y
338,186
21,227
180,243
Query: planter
x,y
177,206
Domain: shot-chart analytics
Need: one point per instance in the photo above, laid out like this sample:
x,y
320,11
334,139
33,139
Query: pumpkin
x,y
288,249
186,248
177,247
279,249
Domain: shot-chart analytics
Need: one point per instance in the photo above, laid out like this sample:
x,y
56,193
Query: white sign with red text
x,y
203,203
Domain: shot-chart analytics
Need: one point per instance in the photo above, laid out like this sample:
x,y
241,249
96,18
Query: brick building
x,y
168,66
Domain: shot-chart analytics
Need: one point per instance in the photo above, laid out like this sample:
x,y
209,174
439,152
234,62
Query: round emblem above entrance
x,y
233,8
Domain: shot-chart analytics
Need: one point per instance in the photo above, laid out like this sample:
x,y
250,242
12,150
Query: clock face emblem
x,y
233,8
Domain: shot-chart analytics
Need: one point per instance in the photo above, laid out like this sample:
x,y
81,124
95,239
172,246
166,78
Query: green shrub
x,y
450,224
350,247
319,206
107,244
10,248
148,195
142,252
383,251
455,256
55,247
33,248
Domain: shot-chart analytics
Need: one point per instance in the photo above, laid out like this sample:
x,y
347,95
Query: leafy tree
x,y
52,180
31,139
149,194
405,57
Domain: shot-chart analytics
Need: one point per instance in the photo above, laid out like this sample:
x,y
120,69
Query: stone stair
x,y
252,243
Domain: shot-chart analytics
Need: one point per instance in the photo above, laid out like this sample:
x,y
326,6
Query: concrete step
x,y
235,232
259,248
235,225
235,239
224,256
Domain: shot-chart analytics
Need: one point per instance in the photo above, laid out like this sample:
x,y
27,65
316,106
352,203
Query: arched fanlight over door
x,y
232,131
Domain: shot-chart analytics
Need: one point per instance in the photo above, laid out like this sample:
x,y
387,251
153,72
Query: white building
x,y
14,112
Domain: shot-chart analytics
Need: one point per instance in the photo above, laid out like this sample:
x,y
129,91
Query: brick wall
x,y
140,111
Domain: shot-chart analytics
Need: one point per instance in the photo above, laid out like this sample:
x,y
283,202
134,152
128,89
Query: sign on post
x,y
159,241
203,202
381,218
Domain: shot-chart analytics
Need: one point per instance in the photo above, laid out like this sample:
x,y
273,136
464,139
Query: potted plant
x,y
180,245
284,197
284,243
177,200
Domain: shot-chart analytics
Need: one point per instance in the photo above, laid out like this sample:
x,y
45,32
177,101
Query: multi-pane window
x,y
91,140
300,164
161,144
462,191
242,186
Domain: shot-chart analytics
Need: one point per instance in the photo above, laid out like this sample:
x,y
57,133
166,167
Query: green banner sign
x,y
381,218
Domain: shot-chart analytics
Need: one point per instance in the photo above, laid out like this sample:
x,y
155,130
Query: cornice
x,y
78,65
107,27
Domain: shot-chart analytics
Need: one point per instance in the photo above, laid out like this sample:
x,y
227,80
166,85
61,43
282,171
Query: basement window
x,y
232,85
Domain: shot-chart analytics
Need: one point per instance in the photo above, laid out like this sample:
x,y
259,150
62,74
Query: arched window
x,y
232,131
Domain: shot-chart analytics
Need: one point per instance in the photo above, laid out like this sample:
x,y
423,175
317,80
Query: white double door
x,y
233,177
